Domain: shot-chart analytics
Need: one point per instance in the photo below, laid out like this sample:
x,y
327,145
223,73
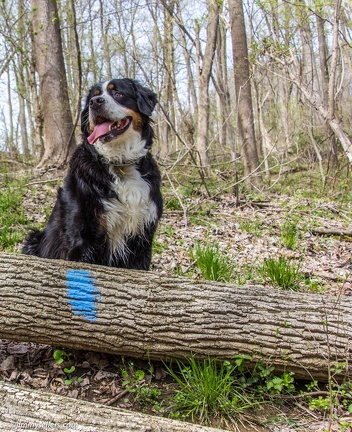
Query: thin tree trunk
x,y
323,54
37,127
324,76
144,314
168,76
93,66
10,138
227,130
22,118
332,78
21,88
203,81
265,137
104,31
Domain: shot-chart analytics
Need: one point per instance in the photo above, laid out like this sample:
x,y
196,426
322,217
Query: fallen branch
x,y
147,315
332,231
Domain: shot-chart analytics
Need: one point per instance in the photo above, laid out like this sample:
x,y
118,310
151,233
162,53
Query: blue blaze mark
x,y
82,294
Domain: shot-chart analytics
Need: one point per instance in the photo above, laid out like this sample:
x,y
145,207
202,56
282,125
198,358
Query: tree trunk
x,y
33,410
203,81
324,75
332,78
146,315
21,87
168,77
227,121
104,31
59,138
323,53
243,93
37,126
10,136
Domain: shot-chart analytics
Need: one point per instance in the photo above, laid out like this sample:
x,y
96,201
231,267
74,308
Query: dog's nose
x,y
96,102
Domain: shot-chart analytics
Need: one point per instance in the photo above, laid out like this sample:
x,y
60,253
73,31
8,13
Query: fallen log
x,y
30,410
147,315
332,232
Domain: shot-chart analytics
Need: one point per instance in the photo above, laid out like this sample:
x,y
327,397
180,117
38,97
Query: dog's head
x,y
116,119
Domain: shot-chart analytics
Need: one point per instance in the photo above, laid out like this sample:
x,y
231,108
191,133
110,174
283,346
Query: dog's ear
x,y
146,99
85,112
84,120
85,116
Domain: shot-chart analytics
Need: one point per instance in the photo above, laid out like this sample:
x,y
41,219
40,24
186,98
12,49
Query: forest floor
x,y
294,219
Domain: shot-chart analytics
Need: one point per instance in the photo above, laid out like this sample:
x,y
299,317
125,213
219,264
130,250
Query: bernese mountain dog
x,y
108,208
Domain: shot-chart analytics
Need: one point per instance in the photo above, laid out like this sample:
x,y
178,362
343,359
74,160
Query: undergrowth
x,y
207,391
12,215
289,234
220,393
212,264
281,272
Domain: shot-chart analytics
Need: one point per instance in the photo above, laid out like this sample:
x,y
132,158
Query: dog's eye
x,y
117,94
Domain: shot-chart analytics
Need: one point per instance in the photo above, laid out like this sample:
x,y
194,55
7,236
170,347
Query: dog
x,y
108,209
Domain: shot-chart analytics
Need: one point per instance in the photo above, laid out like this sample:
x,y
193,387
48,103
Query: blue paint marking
x,y
83,295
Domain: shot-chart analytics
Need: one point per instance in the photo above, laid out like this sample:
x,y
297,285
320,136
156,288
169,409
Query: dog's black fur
x,y
110,203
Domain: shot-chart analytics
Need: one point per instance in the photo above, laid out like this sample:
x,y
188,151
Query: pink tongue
x,y
99,131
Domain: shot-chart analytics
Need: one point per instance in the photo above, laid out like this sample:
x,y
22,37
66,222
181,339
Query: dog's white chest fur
x,y
128,214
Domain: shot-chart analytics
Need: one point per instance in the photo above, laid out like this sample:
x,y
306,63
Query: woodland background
x,y
250,86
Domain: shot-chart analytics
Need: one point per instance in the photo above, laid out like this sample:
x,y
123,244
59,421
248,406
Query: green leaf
x,y
69,370
139,375
59,356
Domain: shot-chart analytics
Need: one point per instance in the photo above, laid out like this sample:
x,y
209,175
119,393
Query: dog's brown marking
x,y
137,122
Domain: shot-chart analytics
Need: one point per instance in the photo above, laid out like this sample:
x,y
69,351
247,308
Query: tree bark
x,y
324,76
10,135
203,82
226,109
332,78
323,52
21,87
146,315
59,139
31,410
167,44
104,27
35,107
243,93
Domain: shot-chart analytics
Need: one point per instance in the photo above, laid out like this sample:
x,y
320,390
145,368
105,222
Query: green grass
x,y
12,215
308,184
281,272
173,203
212,264
219,393
207,391
289,234
252,227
